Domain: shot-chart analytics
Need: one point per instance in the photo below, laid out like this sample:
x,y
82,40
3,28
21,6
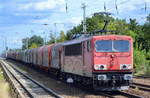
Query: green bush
x,y
148,68
140,62
148,55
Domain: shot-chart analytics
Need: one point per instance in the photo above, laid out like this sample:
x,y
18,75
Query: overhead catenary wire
x,y
105,7
116,7
66,6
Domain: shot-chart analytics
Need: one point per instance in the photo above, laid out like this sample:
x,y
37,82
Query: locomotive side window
x,y
75,49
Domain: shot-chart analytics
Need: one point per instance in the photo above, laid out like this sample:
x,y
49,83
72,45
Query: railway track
x,y
105,94
129,95
29,87
145,77
119,94
141,86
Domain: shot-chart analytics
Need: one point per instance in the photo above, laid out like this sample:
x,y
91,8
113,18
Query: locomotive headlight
x,y
100,67
128,77
125,66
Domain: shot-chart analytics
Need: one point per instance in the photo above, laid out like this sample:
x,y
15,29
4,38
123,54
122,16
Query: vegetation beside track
x,y
142,66
4,86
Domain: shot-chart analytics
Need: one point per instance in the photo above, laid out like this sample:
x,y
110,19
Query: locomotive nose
x,y
113,60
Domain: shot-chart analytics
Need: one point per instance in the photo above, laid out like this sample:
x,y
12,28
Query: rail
x,y
33,88
141,86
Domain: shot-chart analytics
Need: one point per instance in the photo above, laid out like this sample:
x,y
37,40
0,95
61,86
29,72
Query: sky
x,y
24,18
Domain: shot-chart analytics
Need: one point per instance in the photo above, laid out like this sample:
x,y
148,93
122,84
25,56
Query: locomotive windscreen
x,y
112,46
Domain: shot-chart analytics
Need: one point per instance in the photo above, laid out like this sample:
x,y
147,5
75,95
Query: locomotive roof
x,y
79,40
122,36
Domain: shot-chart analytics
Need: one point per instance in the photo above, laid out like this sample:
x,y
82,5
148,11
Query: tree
x,y
37,40
148,18
33,45
52,39
34,41
145,38
133,25
25,43
97,22
62,37
140,62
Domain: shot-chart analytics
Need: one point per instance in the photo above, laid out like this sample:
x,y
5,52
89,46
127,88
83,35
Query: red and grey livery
x,y
103,62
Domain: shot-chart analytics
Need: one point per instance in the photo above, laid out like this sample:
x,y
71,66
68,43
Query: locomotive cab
x,y
112,62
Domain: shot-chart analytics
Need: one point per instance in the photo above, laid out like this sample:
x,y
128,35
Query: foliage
x,y
34,41
60,38
52,39
148,55
140,62
97,23
33,45
148,69
146,36
142,66
25,43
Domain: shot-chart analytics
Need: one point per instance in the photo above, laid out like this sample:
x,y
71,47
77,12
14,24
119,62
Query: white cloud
x,y
62,9
125,6
75,20
15,41
40,21
43,5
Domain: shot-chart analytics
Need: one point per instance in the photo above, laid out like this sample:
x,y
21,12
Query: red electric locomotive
x,y
104,62
112,62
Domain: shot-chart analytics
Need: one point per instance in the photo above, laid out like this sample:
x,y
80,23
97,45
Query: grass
x,y
146,72
148,69
4,87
